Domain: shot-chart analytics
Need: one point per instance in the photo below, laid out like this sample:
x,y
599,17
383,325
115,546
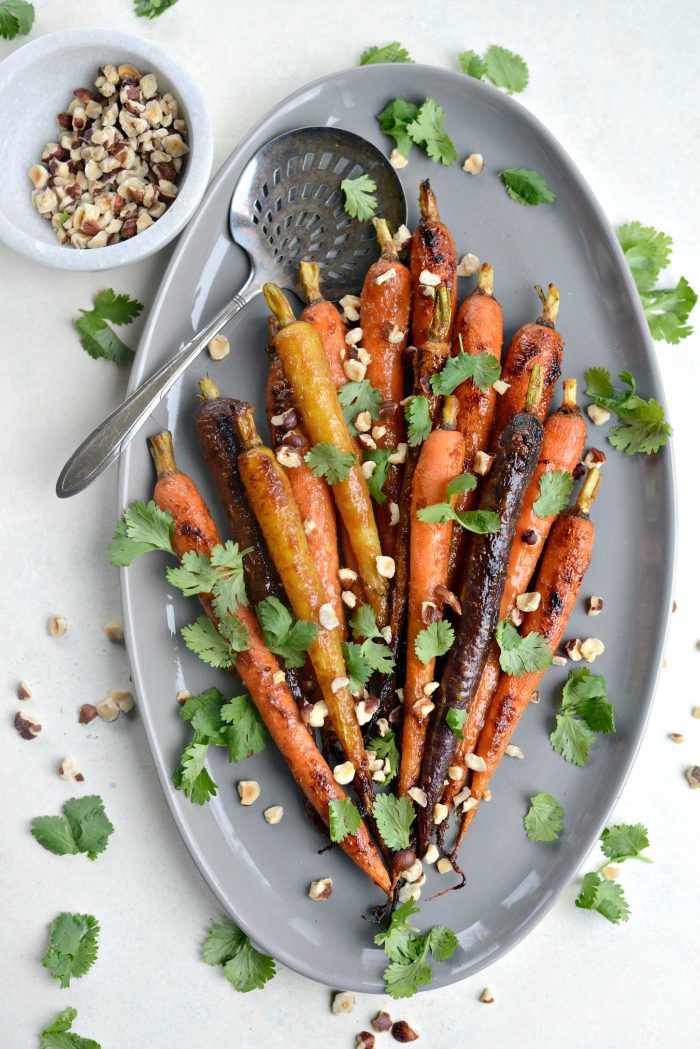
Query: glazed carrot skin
x,y
565,561
562,448
534,342
516,456
311,493
432,249
384,315
257,667
326,319
273,504
315,397
441,460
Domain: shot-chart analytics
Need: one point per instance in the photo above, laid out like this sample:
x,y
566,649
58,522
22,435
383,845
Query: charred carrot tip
x,y
279,304
449,413
535,385
569,398
427,202
484,281
247,431
208,390
550,305
310,275
161,448
384,238
589,490
442,316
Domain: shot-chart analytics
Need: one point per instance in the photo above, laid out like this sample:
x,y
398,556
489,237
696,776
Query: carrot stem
x,y
208,390
484,281
427,202
569,397
311,280
589,490
550,305
384,238
163,453
247,431
277,301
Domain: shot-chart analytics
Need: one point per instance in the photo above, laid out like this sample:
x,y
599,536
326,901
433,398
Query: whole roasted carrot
x,y
384,313
311,493
256,666
441,460
273,504
538,342
433,253
562,448
326,319
515,459
315,397
565,561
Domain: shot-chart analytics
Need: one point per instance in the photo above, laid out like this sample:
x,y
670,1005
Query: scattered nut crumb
x,y
114,631
274,814
535,697
288,458
409,892
595,605
403,1033
468,265
559,661
455,772
219,347
486,996
676,737
693,776
573,649
399,455
343,1002
528,602
182,696
386,566
431,854
440,813
398,160
87,713
278,678
365,1039
514,752
597,415
516,617
387,275
500,386
355,371
419,796
27,726
67,771
611,872
321,889
429,279
474,164
344,773
443,865
108,709
57,626
327,617
462,796
482,463
248,791
696,712
413,871
318,714
123,699
591,648
382,726
347,576
339,683
475,763
353,336
402,238
594,457
24,691
382,1022
487,795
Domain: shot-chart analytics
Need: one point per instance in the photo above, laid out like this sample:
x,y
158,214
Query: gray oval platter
x,y
261,873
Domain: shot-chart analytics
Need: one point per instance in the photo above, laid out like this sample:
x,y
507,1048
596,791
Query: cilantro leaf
x,y
606,897
443,943
668,309
325,460
202,638
235,634
472,64
417,412
647,251
385,747
394,120
203,712
526,187
99,340
222,943
396,938
287,637
404,978
544,820
428,130
376,482
58,1035
363,623
393,52
482,368
119,309
506,69
572,738
374,652
357,666
555,487
585,693
360,197
343,819
229,588
84,827
434,640
482,522
152,8
465,482
456,719
356,397
54,833
625,841
194,575
72,946
394,817
244,966
245,730
521,655
16,18
140,529
643,425
408,952
191,777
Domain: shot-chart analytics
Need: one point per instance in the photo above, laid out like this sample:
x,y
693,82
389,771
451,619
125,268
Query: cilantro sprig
x,y
58,1035
423,125
377,480
624,841
482,522
72,947
394,817
244,966
555,487
521,655
83,827
409,953
544,820
359,396
368,652
456,719
643,426
385,747
287,637
434,640
503,68
526,187
219,574
482,368
417,412
360,197
96,336
343,819
141,528
648,252
325,460
16,18
152,8
585,711
393,52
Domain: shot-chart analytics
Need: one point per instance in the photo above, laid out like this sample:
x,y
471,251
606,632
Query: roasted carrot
x,y
538,342
565,561
311,493
326,319
562,448
384,313
271,498
315,397
515,459
256,666
432,251
441,460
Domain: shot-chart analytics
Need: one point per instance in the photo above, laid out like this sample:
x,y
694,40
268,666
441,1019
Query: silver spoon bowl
x,y
287,207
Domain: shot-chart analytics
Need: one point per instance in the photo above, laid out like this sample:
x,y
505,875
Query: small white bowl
x,y
36,83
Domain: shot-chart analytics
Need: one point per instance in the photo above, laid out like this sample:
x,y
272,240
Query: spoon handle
x,y
114,433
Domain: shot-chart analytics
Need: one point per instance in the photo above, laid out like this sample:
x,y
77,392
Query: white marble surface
x,y
618,85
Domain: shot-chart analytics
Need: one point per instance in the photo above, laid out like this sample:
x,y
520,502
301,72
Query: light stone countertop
x,y
618,85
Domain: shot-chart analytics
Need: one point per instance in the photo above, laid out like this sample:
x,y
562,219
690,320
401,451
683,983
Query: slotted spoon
x,y
287,206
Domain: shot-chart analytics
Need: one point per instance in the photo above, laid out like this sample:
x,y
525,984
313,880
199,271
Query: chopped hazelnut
x,y
274,814
695,712
597,415
482,463
347,576
591,648
248,791
468,265
87,713
387,275
573,649
440,813
378,432
219,347
429,280
343,1002
559,661
475,763
500,386
474,164
422,708
309,525
462,796
27,726
353,336
288,457
182,696
114,630
386,634
610,873
348,598
123,699
278,677
108,709
321,889
344,773
486,996
365,1039
431,854
443,865
413,872
693,776
399,455
487,795
366,709
595,606
419,796
355,371
57,626
67,770
402,238
408,892
594,457
528,602
430,687
396,336
24,691
455,772
429,612
516,617
382,1022
401,1032
397,159
363,422
382,726
319,713
385,566
514,752
327,617
339,683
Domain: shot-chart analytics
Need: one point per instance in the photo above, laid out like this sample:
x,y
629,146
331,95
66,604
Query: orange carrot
x,y
432,251
326,319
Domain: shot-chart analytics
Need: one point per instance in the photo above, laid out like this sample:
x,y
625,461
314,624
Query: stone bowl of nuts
x,y
106,149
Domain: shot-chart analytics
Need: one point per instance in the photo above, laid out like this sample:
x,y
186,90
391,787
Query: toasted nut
x,y
248,791
344,773
595,606
528,602
24,691
278,678
355,371
124,700
378,432
27,726
419,796
591,648
500,386
57,626
487,795
409,892
559,661
475,763
309,524
516,617
354,336
366,709
368,469
346,576
365,1040
288,457
108,709
693,776
114,630
319,713
443,865
343,1002
430,687
396,336
413,872
387,275
182,696
321,889
401,1032
394,514
482,463
399,456
695,712
274,814
514,752
348,598
397,159
468,265
597,415
474,164
431,854
611,872
594,457
339,683
440,813
219,347
455,772
87,713
327,617
430,280
422,708
68,771
386,634
382,1022
486,996
573,649
363,422
385,566
426,292
39,176
460,798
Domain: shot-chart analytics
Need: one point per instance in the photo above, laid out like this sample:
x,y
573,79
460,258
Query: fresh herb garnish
x,y
417,412
202,638
220,574
287,637
585,710
643,427
371,654
16,18
555,487
460,484
394,120
140,529
356,397
343,819
624,841
152,8
360,197
521,655
482,522
456,719
58,1035
409,952
526,187
385,747
544,820
667,311
482,368
376,482
84,827
648,252
72,946
325,460
434,640
428,131
97,337
245,967
394,817
501,67
393,52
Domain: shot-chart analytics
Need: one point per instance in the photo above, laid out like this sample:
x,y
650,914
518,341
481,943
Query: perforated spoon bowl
x,y
287,206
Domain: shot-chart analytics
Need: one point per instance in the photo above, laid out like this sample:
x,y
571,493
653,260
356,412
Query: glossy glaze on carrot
x,y
432,250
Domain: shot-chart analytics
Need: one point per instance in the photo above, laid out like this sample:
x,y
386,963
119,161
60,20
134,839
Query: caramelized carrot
x,y
256,666
565,561
432,250
538,342
326,319
384,314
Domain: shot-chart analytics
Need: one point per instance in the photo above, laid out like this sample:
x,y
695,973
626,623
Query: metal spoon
x,y
287,206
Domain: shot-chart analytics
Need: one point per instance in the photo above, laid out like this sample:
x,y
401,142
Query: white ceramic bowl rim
x,y
128,47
